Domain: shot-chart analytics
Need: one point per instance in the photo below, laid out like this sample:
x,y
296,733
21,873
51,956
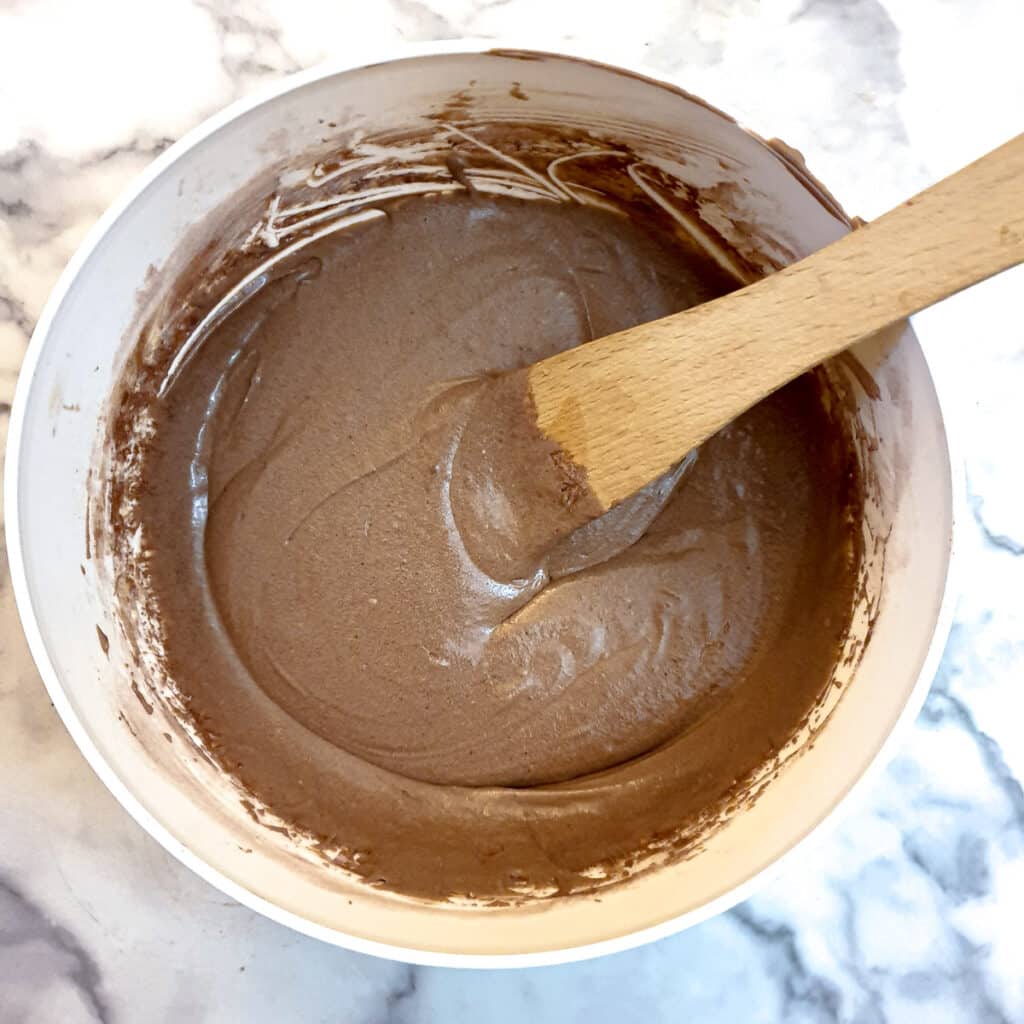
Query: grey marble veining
x,y
909,910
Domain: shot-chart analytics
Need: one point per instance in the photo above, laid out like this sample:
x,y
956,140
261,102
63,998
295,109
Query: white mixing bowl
x,y
72,366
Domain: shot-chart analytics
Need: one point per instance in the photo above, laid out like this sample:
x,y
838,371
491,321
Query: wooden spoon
x,y
629,406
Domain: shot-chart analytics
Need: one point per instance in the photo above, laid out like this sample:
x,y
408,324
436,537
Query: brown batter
x,y
369,629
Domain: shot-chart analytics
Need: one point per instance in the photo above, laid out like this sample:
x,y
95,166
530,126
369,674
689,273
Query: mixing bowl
x,y
750,196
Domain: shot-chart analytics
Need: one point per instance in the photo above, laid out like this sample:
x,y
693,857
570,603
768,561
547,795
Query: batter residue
x,y
362,623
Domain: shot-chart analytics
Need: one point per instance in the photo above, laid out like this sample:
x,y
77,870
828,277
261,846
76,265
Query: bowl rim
x,y
393,53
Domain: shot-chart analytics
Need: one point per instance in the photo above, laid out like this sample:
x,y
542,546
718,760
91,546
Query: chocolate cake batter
x,y
372,635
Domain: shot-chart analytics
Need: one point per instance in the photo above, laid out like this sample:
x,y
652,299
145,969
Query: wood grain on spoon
x,y
629,406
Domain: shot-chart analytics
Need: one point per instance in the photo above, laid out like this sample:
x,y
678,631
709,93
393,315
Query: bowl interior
x,y
747,191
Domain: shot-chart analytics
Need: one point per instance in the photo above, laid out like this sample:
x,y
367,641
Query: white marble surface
x,y
911,909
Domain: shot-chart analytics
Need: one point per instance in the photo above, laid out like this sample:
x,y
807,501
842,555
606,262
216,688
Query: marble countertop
x,y
910,910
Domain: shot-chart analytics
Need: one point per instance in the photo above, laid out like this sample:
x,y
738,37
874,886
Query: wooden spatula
x,y
629,406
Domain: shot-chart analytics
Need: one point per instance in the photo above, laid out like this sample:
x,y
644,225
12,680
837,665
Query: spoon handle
x,y
628,406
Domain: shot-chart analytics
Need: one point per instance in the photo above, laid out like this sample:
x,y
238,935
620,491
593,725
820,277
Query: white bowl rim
x,y
392,53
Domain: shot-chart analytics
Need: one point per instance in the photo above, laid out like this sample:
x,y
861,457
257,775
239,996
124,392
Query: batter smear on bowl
x,y
366,630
